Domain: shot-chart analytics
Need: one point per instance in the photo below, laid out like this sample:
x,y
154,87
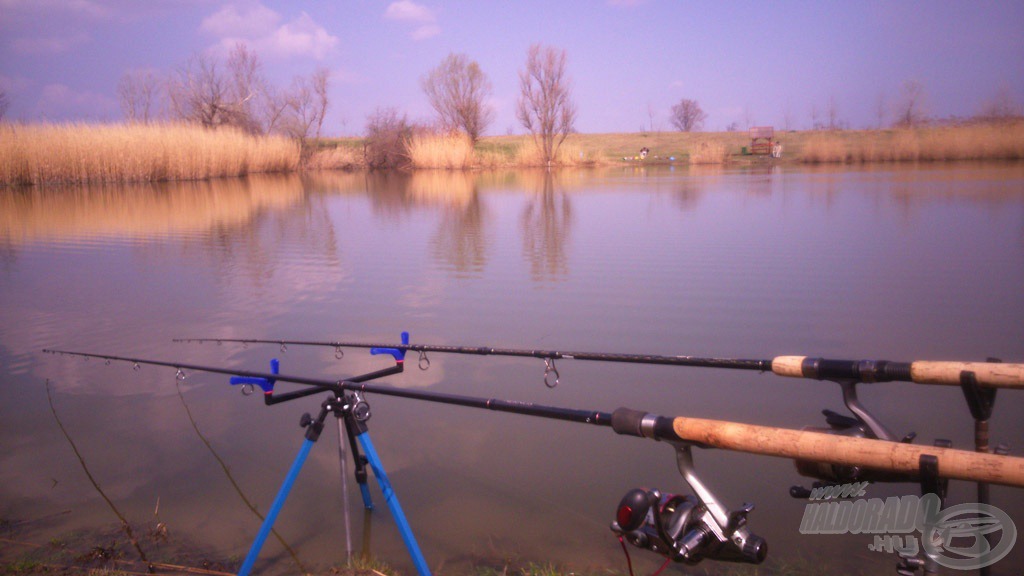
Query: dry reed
x,y
709,152
97,153
934,144
570,153
825,148
448,151
333,158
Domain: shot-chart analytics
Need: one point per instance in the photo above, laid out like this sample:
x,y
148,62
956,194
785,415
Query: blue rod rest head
x,y
398,354
267,384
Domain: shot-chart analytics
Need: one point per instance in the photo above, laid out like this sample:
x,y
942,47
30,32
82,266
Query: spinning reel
x,y
681,528
842,425
687,528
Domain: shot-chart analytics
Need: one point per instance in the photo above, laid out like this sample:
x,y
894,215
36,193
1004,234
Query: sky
x,y
745,63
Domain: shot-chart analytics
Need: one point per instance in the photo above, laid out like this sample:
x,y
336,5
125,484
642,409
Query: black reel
x,y
682,529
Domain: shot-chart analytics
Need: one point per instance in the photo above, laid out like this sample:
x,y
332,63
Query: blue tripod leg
x,y
396,509
282,495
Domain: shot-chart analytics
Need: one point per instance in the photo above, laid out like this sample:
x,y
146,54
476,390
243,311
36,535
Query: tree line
x,y
234,92
231,93
459,92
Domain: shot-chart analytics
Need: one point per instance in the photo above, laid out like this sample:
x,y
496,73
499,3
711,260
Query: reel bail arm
x,y
684,529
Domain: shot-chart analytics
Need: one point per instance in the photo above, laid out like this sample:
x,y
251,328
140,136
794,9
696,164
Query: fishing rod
x,y
987,374
764,440
804,445
680,528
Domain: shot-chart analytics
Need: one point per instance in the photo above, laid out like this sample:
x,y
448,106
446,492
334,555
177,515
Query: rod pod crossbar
x,y
947,373
765,440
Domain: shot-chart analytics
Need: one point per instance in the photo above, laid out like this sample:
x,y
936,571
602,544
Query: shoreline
x,y
44,154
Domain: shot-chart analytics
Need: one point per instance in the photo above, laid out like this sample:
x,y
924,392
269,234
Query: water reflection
x,y
546,224
140,211
462,242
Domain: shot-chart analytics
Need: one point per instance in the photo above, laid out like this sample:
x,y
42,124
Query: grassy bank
x,y
97,153
1004,141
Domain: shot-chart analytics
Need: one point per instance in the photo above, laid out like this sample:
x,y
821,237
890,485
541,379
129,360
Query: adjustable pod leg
x,y
396,509
313,428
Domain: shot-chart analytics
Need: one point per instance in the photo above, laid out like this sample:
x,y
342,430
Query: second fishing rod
x,y
989,374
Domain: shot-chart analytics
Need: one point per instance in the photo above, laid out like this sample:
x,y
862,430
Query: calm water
x,y
896,263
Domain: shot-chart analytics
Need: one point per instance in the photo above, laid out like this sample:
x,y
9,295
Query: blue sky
x,y
762,63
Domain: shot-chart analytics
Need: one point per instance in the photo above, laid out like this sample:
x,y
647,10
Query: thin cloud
x,y
424,32
266,32
229,21
408,11
303,36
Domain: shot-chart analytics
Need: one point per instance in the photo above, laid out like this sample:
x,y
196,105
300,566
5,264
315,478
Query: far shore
x,y
32,155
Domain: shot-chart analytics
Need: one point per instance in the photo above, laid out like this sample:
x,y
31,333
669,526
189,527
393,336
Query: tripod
x,y
353,412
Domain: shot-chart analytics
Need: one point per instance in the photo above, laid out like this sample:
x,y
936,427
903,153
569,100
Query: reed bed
x,y
448,151
709,152
97,153
934,144
333,158
570,153
457,152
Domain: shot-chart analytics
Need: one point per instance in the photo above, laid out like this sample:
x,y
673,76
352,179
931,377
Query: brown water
x,y
901,263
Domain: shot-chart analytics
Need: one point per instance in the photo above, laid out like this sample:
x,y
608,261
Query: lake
x,y
887,262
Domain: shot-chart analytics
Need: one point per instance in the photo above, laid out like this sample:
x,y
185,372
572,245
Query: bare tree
x,y
5,103
832,111
881,109
245,88
320,82
911,110
273,106
386,136
688,116
198,92
1002,106
138,91
545,105
458,91
306,105
201,92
